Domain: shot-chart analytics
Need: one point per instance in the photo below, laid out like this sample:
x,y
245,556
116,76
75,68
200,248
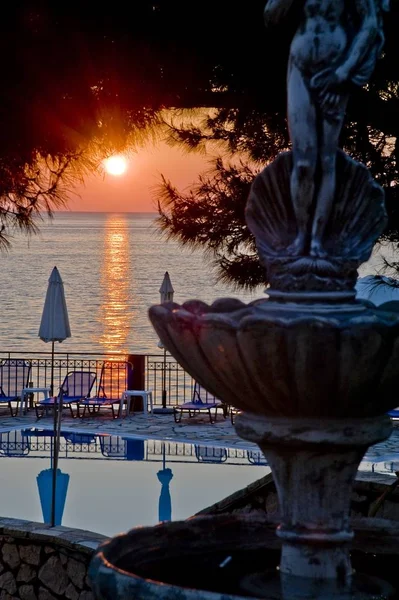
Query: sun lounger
x,y
76,385
202,401
14,377
112,384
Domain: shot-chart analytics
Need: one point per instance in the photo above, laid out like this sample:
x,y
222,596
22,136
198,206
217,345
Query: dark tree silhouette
x,y
80,82
259,131
211,215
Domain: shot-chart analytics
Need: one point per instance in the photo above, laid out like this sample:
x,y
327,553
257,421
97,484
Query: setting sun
x,y
116,165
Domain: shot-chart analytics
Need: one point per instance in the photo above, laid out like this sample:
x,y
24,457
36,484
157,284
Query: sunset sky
x,y
133,191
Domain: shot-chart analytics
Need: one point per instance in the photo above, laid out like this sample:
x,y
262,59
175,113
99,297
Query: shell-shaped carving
x,y
284,362
357,219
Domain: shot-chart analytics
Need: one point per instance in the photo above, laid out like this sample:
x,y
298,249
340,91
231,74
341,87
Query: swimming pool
x,y
117,483
108,484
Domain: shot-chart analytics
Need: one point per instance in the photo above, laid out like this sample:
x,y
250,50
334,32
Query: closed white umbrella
x,y
54,326
166,292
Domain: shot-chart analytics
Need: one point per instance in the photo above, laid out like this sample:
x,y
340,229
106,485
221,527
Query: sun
x,y
116,165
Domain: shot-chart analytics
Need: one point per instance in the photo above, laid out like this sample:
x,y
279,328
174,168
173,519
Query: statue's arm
x,y
276,10
363,40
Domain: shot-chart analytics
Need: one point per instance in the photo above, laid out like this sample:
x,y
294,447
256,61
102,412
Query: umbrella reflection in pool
x,y
45,486
165,476
111,447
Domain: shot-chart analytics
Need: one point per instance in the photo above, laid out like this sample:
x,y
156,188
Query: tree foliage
x,y
215,212
80,82
259,132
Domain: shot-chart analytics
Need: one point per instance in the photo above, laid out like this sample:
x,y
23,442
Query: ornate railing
x,y
161,373
35,443
166,375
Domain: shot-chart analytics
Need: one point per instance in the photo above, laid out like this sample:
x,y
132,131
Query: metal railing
x,y
179,385
34,443
162,374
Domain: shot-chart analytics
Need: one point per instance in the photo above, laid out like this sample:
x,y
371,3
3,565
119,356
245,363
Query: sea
x,y
112,266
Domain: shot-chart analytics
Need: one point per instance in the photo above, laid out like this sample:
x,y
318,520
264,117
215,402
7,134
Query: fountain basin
x,y
190,560
287,360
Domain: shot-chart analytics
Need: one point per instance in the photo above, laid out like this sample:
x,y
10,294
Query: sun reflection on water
x,y
115,313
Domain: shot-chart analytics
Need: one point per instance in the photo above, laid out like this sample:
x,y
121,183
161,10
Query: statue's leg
x,y
302,126
325,197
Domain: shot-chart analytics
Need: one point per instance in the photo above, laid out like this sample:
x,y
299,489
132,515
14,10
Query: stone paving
x,y
163,427
157,427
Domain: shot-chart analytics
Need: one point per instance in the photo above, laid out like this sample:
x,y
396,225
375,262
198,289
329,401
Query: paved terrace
x,y
195,430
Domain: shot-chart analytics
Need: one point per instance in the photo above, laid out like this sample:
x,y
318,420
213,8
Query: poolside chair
x,y
76,385
112,384
208,454
394,414
14,377
202,401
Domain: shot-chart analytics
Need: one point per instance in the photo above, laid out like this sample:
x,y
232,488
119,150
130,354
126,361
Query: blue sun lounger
x,y
14,377
394,414
76,385
202,401
112,384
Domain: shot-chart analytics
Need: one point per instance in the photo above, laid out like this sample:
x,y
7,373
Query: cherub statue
x,y
335,47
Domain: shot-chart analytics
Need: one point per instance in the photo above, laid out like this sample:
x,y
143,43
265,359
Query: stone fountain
x,y
313,370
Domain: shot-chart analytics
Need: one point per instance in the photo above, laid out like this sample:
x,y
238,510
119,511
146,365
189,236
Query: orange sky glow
x,y
134,190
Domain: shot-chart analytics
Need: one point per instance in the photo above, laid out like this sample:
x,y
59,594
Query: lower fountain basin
x,y
221,557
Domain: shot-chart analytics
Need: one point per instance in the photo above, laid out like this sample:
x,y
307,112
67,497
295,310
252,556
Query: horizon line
x,y
105,211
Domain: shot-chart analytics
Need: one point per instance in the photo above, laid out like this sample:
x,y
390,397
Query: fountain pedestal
x,y
314,464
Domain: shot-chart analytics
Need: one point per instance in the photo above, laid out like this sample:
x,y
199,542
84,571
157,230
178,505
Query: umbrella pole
x,y
164,380
56,438
55,465
55,454
52,369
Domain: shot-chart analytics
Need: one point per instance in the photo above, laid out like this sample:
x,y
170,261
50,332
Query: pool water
x,y
109,484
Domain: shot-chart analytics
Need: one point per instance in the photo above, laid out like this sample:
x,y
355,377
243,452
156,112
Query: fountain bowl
x,y
220,558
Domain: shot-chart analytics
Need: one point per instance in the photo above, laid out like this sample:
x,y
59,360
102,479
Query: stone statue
x,y
332,49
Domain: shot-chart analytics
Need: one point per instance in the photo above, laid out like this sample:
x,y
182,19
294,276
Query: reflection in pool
x,y
109,484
